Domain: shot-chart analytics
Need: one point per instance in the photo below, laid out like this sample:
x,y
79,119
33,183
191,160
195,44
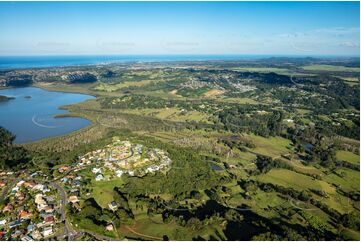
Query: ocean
x,y
16,62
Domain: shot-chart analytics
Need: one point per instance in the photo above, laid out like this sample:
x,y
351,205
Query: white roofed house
x,y
20,183
122,163
113,206
26,238
99,177
110,158
3,222
15,189
40,202
46,189
119,173
109,227
96,170
47,231
78,178
49,209
38,187
109,165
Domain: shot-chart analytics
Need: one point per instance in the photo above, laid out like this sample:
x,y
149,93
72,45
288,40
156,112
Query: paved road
x,y
68,230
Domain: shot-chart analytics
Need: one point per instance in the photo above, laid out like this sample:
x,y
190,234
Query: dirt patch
x,y
214,92
132,230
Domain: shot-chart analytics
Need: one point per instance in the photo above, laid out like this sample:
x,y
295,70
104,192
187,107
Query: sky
x,y
176,28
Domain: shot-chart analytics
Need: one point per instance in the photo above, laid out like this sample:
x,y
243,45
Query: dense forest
x,y
11,156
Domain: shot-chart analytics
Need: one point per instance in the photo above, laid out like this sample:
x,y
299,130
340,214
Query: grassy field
x,y
302,111
282,71
301,168
348,156
272,146
246,157
75,88
103,191
115,87
153,228
291,179
331,68
347,179
239,100
352,81
173,114
213,93
295,180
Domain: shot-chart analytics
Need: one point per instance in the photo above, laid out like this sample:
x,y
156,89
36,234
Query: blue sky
x,y
264,28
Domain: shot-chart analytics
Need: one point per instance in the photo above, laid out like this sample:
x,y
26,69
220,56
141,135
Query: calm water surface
x,y
30,116
52,61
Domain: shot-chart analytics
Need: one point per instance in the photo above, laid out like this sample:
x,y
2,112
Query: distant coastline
x,y
23,62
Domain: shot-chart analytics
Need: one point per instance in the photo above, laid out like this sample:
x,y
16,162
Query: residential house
x,y
49,220
29,184
15,189
16,234
26,238
25,214
40,202
63,169
2,233
73,199
113,206
19,195
36,235
76,183
99,177
96,170
40,225
30,228
48,209
118,173
109,227
8,208
39,187
78,178
34,174
47,231
74,190
50,198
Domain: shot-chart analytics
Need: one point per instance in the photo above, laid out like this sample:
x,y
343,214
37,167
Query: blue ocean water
x,y
14,62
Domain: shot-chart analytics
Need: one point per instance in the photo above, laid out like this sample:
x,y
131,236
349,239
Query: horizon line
x,y
90,54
